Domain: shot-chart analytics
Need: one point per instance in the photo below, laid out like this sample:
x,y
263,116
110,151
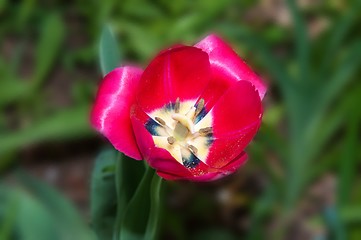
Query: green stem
x,y
155,206
120,210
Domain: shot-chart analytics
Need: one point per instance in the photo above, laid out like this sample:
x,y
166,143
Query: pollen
x,y
200,107
193,149
205,131
171,140
177,106
161,121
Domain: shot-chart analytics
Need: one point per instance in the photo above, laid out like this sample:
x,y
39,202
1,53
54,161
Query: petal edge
x,y
111,111
227,65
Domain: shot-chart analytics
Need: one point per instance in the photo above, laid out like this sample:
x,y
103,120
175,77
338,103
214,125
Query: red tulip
x,y
189,114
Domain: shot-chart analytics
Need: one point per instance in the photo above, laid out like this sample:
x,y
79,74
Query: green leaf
x,y
8,212
334,223
302,42
155,208
135,220
52,36
26,9
349,163
351,214
103,199
34,221
344,74
11,90
109,53
339,32
260,210
214,234
65,124
45,214
128,174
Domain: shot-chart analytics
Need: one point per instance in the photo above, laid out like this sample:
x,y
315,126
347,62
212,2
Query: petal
x,y
163,162
143,138
179,72
216,174
111,112
212,175
235,164
236,119
227,68
173,170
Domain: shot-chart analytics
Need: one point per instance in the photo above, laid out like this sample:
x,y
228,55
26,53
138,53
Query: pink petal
x,y
111,112
227,68
179,72
236,119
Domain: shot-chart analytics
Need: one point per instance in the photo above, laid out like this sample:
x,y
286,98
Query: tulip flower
x,y
190,114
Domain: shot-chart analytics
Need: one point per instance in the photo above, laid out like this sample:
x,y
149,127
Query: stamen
x,y
177,105
200,106
160,121
193,149
171,140
205,131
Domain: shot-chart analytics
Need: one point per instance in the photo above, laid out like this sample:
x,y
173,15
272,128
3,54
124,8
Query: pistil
x,y
180,131
183,120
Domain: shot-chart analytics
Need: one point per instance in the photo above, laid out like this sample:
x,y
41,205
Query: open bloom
x,y
189,114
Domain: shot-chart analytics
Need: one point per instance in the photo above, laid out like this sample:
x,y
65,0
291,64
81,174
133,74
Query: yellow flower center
x,y
183,129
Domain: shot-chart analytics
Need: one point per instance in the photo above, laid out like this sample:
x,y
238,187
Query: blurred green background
x,y
303,177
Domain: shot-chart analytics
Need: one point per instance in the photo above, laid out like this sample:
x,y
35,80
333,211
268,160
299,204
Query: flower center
x,y
183,129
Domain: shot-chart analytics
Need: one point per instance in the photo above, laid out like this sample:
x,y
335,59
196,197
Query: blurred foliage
x,y
31,210
307,150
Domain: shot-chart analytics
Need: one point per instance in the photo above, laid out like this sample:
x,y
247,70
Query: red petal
x,y
143,138
204,178
227,68
111,111
161,160
235,164
205,173
211,174
179,72
236,119
173,170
